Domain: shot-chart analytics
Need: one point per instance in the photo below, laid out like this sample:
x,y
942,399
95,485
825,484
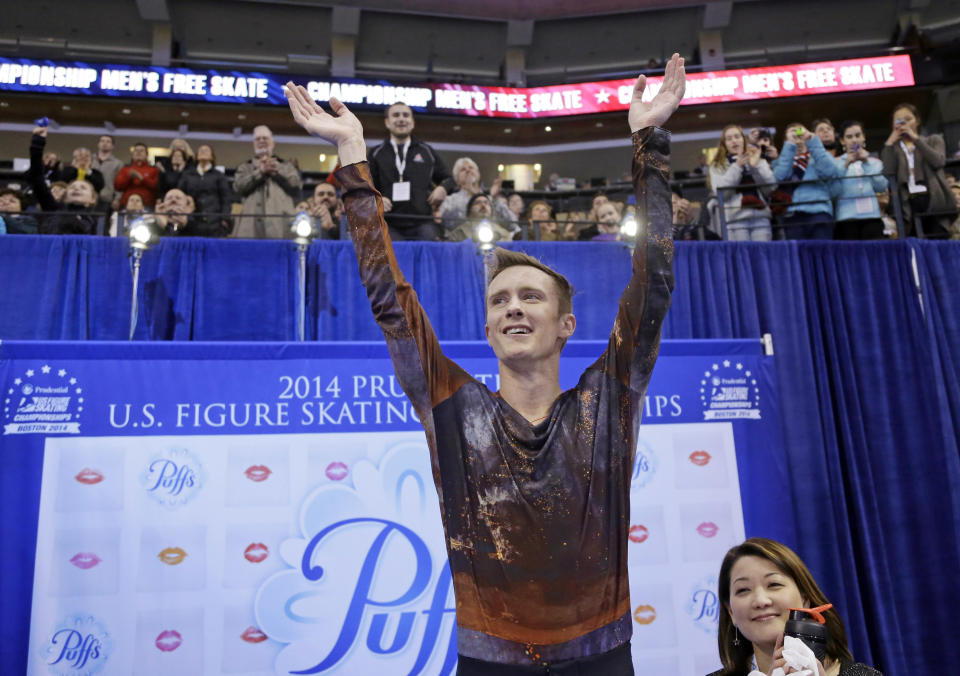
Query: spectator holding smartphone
x,y
917,162
803,158
762,139
742,178
858,212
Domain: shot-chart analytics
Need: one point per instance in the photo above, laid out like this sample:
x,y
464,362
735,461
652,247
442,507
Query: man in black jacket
x,y
410,175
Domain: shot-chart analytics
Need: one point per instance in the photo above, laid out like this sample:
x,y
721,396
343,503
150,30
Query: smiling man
x,y
411,176
534,483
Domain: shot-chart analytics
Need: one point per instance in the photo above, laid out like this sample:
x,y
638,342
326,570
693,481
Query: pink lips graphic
x,y
708,529
253,635
85,560
89,476
700,458
256,552
168,640
258,473
336,471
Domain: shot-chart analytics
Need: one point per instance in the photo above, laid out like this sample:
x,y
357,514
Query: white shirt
x,y
912,185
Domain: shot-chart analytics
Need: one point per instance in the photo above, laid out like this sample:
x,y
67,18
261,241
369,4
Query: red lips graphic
x,y
336,471
700,458
708,529
638,533
85,560
644,614
256,552
168,641
258,473
253,635
89,476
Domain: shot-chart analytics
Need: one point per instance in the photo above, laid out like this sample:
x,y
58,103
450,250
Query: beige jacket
x,y
264,194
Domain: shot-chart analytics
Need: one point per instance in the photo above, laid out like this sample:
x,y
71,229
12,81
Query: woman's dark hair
x,y
736,657
17,195
213,155
821,120
846,124
908,106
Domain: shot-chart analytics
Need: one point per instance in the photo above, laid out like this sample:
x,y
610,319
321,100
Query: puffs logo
x,y
644,614
703,605
78,646
174,477
700,458
645,465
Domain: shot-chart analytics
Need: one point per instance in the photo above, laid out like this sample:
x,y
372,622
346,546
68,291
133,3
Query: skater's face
x,y
524,321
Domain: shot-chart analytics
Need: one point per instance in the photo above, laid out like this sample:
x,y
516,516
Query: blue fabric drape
x,y
448,279
867,346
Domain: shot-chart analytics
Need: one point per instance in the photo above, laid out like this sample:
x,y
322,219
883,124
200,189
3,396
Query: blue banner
x,y
269,508
190,84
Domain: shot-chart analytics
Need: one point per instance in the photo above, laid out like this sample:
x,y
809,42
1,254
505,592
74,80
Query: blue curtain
x,y
866,338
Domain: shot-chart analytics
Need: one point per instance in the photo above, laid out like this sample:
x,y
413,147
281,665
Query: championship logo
x,y
173,478
367,578
77,646
43,401
703,606
728,391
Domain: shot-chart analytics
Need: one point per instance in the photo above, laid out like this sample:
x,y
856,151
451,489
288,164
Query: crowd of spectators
x,y
818,182
826,184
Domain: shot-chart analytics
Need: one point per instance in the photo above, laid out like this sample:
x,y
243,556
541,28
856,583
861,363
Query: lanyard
x,y
401,163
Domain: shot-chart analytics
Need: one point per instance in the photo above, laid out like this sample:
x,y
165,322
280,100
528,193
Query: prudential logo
x,y
43,400
77,646
729,391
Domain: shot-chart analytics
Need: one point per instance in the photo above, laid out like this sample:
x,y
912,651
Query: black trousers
x,y
412,229
859,228
617,662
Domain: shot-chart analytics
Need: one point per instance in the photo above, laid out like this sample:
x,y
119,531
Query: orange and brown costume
x,y
535,516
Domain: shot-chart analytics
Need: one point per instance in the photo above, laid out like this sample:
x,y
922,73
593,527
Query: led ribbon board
x,y
222,86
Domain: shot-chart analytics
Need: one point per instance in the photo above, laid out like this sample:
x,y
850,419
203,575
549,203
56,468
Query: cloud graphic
x,y
375,547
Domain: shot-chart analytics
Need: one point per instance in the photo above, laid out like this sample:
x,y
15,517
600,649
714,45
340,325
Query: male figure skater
x,y
534,483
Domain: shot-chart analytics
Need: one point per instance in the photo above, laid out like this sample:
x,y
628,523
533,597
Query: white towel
x,y
799,658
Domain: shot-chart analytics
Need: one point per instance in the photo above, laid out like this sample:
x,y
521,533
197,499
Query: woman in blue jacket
x,y
803,158
858,212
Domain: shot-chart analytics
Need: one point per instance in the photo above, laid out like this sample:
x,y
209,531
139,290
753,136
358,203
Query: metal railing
x,y
894,194
568,229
